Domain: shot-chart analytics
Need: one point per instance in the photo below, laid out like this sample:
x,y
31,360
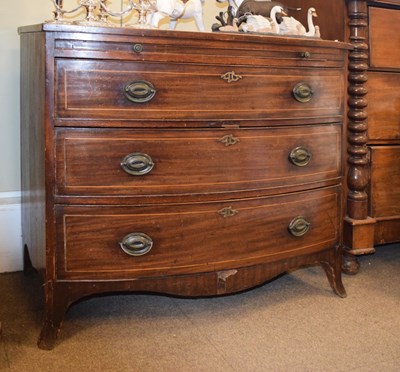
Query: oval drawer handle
x,y
136,244
140,91
300,156
303,92
137,164
299,226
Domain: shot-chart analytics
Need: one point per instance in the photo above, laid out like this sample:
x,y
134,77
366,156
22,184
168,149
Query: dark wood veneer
x,y
189,162
245,181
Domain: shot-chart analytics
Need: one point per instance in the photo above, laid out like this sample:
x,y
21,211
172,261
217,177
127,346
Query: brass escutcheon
x,y
229,140
228,212
231,77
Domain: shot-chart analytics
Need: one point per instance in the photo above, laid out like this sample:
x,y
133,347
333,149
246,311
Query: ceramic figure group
x,y
264,16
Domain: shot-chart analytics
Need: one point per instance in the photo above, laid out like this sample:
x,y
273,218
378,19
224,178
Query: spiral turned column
x,y
357,177
358,226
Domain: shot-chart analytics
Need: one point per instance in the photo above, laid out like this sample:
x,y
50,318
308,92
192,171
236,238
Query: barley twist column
x,y
358,160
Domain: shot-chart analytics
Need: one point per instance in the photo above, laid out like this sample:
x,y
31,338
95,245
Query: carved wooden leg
x,y
333,270
56,302
350,264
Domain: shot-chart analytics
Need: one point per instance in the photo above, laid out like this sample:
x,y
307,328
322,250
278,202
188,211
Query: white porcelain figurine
x,y
312,30
176,9
258,23
291,26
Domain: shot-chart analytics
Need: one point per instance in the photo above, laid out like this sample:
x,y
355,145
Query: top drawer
x,y
135,92
236,49
384,36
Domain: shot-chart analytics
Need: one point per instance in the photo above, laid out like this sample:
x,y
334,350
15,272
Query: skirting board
x,y
11,250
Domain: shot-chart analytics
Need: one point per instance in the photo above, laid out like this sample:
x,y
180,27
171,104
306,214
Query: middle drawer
x,y
138,163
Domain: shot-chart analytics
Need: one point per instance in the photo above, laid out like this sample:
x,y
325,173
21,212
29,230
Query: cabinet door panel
x,y
384,36
385,181
383,106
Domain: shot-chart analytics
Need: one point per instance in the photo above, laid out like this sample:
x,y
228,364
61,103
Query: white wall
x,y
14,14
11,253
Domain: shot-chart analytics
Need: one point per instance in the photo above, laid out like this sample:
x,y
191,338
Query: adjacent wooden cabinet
x,y
178,162
373,132
373,214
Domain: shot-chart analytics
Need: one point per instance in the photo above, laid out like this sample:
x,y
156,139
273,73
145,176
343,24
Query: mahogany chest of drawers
x,y
177,162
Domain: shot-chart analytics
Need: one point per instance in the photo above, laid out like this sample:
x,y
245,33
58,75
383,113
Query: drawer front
x,y
216,49
128,242
383,106
385,181
384,36
139,92
143,163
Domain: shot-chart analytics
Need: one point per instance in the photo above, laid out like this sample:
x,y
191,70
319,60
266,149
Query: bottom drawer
x,y
385,181
102,242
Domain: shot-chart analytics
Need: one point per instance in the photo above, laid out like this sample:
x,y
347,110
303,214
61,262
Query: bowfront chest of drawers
x,y
184,163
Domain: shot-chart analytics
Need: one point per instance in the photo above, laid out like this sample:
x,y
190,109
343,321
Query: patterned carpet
x,y
293,323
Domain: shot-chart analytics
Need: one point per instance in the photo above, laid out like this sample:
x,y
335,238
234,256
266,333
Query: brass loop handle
x,y
303,92
299,226
140,91
300,156
136,244
305,54
137,164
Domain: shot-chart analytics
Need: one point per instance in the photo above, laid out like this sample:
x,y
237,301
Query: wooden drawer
x,y
384,37
192,238
182,93
383,106
216,48
385,181
194,161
